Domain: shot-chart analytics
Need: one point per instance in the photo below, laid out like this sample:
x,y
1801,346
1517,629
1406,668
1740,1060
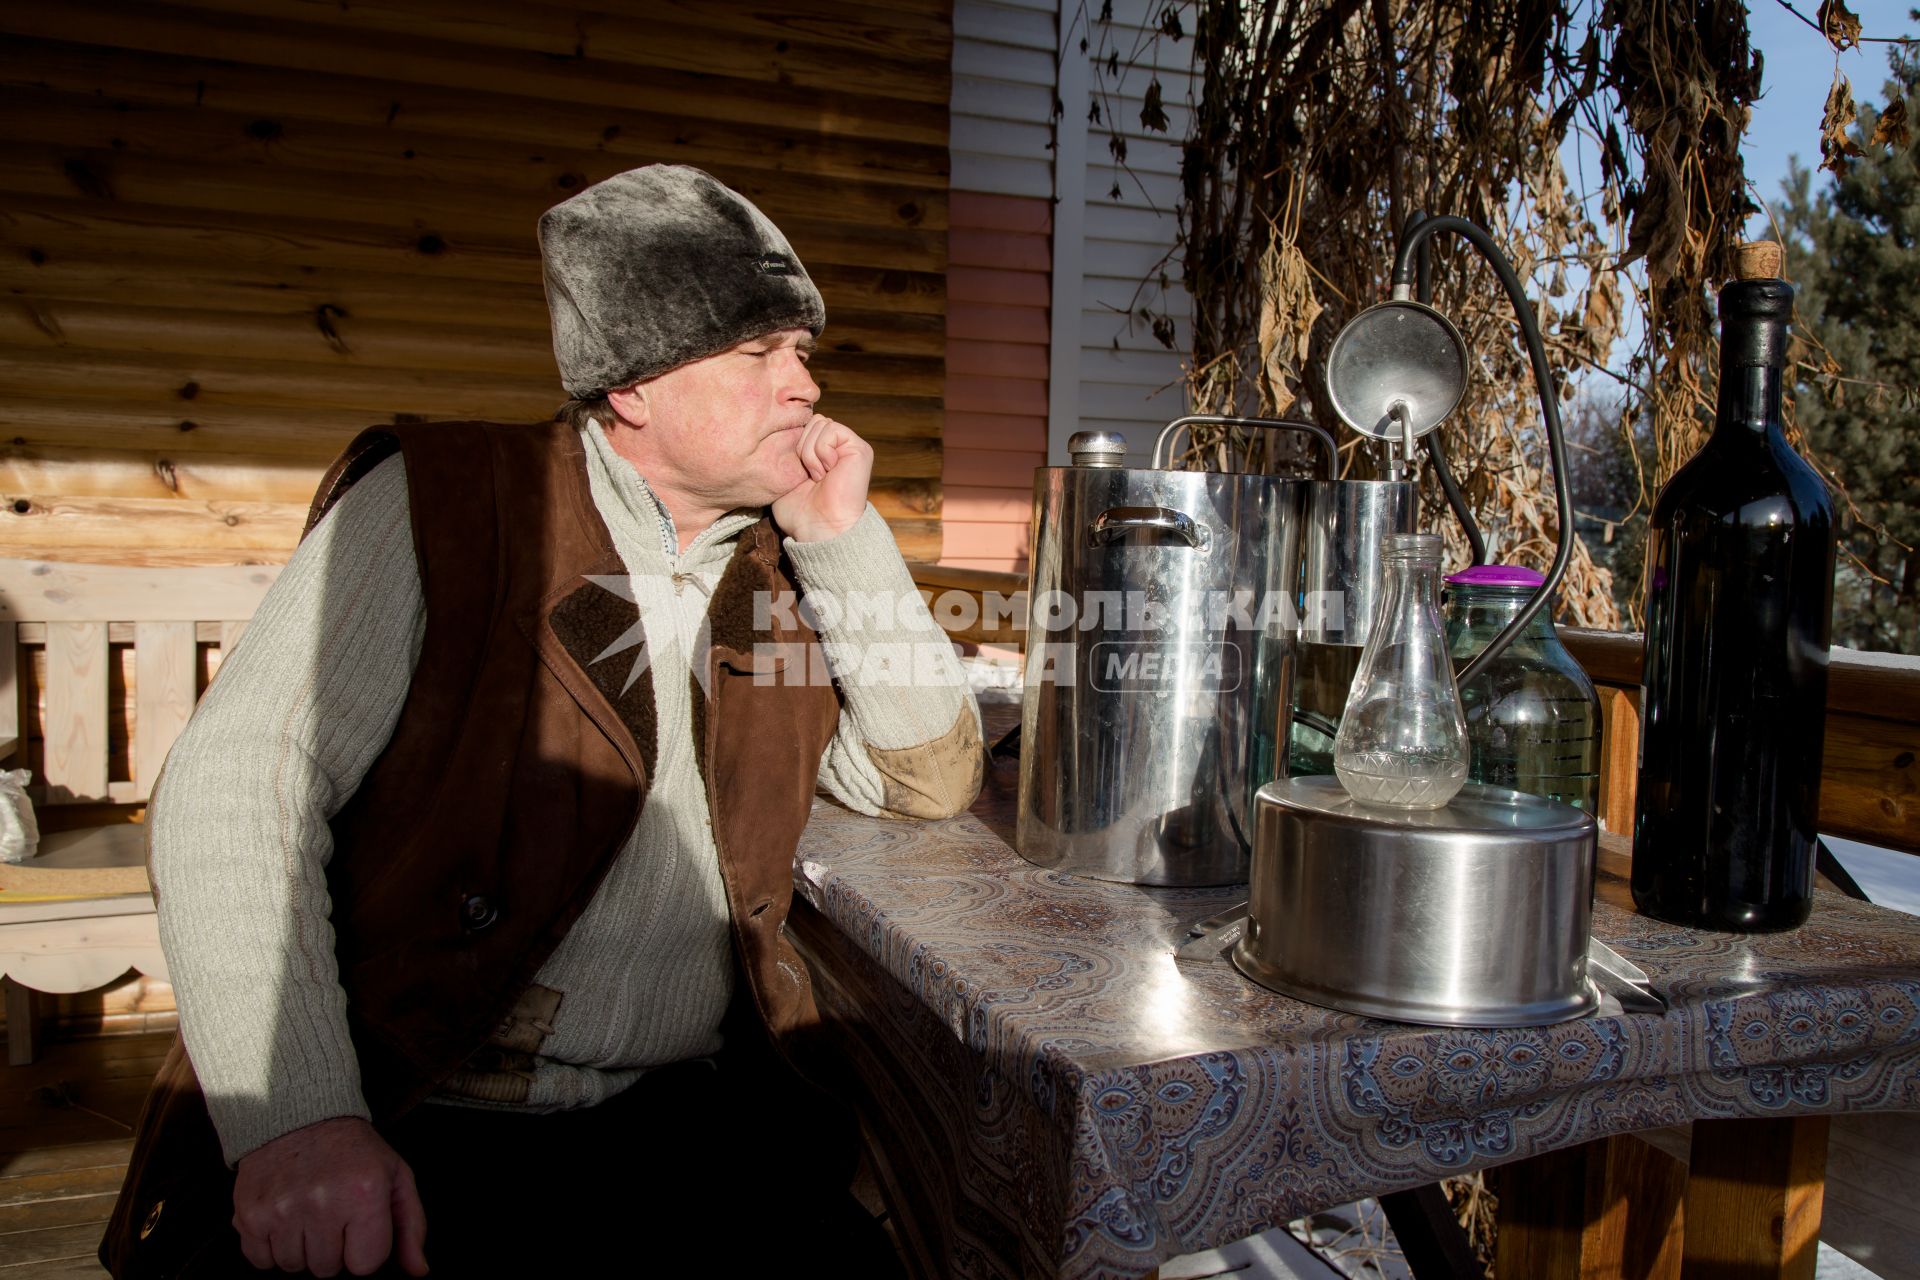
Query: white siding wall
x,y
1003,57
1105,373
1125,380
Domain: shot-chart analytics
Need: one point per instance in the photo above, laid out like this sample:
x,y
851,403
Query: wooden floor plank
x,y
78,1211
144,1068
75,1155
64,1128
59,1184
1873,1164
125,1063
92,1110
87,1268
53,1244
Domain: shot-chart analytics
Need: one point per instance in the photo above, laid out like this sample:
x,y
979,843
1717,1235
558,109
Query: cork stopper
x,y
1757,260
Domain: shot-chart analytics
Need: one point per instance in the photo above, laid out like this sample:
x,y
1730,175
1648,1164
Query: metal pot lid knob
x,y
1097,449
1397,360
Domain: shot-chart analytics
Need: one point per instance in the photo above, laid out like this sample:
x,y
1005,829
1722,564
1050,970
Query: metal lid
x,y
1497,575
1097,449
1403,354
1478,810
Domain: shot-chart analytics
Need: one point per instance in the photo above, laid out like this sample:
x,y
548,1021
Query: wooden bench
x,y
100,667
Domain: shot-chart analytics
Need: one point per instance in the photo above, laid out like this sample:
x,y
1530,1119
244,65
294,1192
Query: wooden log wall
x,y
236,232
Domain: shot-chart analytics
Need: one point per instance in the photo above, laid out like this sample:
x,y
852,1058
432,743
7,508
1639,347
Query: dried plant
x,y
1320,126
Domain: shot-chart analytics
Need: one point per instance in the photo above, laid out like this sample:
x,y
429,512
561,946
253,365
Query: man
x,y
472,864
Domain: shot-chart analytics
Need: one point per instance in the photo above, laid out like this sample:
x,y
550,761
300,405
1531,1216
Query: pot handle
x,y
1116,522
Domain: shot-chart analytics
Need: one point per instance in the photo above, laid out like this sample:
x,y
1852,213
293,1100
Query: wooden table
x,y
1052,1094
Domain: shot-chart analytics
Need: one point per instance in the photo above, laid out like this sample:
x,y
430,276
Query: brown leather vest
x,y
515,775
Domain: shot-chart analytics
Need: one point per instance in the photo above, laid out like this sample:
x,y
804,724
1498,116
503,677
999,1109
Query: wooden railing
x,y
1869,785
1869,779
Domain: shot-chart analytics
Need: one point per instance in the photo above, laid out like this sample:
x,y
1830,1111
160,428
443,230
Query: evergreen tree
x,y
1853,248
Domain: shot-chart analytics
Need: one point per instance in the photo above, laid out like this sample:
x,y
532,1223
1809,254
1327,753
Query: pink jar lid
x,y
1497,575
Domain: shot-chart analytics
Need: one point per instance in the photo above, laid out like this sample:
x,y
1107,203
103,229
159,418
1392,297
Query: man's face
x,y
725,427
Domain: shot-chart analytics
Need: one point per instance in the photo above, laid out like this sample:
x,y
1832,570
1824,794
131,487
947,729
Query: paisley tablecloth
x,y
1062,1098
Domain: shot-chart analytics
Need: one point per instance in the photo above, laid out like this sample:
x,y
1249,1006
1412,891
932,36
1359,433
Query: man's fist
x,y
330,1195
827,503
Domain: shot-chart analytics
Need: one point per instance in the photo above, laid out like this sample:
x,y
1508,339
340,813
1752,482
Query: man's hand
x,y
330,1195
827,503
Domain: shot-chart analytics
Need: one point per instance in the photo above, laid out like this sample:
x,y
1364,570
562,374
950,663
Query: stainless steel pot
x,y
1476,914
1159,603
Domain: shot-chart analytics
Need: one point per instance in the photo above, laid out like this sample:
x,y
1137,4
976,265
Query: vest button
x,y
477,913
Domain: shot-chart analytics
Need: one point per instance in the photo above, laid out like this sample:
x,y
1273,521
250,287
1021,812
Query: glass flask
x,y
1533,718
1403,738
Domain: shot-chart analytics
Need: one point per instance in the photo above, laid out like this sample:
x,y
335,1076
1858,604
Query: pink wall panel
x,y
997,395
999,286
982,504
1016,214
1014,431
995,564
988,323
966,248
984,539
996,359
990,468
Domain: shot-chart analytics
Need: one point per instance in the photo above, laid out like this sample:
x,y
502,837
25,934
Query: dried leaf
x,y
1288,308
1836,144
1602,318
1839,24
1153,115
1890,130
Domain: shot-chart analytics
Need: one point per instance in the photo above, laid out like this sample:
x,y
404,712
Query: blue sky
x,y
1798,71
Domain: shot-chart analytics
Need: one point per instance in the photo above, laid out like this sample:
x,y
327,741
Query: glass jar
x,y
1533,718
1403,740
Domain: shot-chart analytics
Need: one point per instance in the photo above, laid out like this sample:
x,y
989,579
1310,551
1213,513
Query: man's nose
x,y
800,383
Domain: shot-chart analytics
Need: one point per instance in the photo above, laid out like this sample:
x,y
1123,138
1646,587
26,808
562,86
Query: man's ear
x,y
631,404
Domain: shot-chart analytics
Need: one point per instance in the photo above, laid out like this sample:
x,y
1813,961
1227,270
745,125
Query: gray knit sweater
x,y
240,840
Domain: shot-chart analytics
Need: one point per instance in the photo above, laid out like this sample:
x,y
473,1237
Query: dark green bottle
x,y
1740,556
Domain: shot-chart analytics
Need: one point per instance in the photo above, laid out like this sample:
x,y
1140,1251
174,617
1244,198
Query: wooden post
x,y
76,741
1430,1236
1608,1208
20,1023
1754,1198
163,695
1619,758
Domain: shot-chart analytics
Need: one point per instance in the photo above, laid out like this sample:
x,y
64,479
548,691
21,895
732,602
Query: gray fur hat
x,y
662,265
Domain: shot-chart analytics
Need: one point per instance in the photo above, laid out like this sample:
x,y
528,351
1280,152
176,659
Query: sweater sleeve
x,y
908,744
237,828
